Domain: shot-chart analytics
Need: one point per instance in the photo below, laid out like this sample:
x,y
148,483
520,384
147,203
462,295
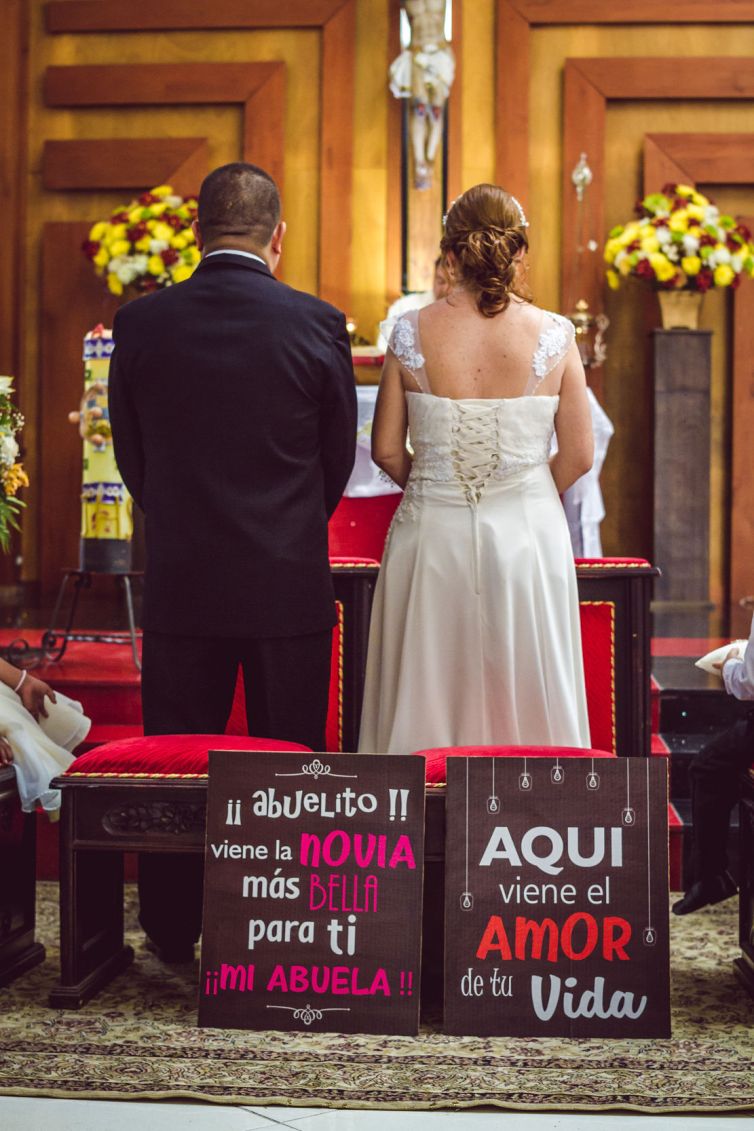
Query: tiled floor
x,y
20,1114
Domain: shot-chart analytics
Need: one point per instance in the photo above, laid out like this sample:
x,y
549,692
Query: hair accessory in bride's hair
x,y
445,216
522,221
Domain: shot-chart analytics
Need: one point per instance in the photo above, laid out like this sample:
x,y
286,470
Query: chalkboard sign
x,y
313,892
556,898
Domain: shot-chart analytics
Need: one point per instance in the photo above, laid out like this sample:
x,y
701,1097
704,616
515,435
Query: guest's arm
x,y
338,419
738,672
124,420
573,426
390,425
31,691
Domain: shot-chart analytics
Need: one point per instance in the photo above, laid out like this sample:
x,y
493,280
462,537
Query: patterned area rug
x,y
138,1040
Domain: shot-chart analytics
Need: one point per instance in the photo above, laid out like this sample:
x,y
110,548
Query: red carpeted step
x,y
659,746
102,677
688,646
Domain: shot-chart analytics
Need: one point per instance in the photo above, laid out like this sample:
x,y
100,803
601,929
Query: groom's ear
x,y
197,234
276,242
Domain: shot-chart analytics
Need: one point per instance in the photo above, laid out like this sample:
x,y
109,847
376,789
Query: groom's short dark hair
x,y
238,200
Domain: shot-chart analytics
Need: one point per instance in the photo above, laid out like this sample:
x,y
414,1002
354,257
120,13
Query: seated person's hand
x,y
732,655
6,754
33,693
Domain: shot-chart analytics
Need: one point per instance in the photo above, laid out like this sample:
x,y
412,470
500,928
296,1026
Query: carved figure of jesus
x,y
424,72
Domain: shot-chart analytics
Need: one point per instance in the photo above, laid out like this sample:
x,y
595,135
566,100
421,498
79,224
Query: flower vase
x,y
680,310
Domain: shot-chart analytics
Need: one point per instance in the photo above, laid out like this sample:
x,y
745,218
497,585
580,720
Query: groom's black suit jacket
x,y
233,411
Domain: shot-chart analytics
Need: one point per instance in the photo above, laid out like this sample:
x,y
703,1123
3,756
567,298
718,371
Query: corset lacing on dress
x,y
475,457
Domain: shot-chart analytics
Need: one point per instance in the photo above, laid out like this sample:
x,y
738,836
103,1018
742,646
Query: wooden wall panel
x,y
104,163
518,19
79,84
171,15
742,459
393,251
544,34
71,292
724,159
13,109
590,84
259,88
13,161
709,158
335,19
635,12
336,157
72,296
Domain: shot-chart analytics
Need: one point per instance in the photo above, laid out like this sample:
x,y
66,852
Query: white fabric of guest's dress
x,y
475,634
41,749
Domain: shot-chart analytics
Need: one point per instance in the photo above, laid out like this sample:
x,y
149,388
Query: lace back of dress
x,y
404,343
554,342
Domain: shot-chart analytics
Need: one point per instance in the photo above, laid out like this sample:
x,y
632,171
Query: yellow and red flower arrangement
x,y
680,242
12,474
148,244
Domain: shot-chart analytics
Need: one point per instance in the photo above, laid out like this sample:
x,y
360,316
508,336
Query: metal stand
x,y
55,642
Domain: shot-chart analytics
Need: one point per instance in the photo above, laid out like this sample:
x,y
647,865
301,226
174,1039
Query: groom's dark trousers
x,y
233,410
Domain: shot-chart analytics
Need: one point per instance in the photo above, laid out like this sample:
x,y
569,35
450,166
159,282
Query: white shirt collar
x,y
233,251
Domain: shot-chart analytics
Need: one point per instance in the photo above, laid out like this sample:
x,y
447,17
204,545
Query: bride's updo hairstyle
x,y
485,229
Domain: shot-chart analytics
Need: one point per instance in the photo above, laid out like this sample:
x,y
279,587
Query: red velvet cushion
x,y
598,651
165,755
435,774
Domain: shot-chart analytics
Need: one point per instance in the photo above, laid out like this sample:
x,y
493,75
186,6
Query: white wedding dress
x,y
475,635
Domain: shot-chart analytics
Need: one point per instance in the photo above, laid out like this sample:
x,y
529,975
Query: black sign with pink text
x,y
313,892
556,898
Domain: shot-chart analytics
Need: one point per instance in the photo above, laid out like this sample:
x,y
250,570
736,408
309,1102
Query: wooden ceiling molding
x,y
589,85
717,159
334,19
517,20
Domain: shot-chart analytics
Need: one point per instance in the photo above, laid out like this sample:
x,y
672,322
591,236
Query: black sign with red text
x,y
556,898
313,892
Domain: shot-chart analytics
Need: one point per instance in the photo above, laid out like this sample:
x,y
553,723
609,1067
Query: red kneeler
x,y
131,795
437,757
163,756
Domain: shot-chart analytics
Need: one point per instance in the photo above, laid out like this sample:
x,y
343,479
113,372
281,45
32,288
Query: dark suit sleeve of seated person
x,y
338,419
124,421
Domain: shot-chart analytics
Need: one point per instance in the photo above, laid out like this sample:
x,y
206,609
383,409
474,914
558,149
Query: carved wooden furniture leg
x,y
91,905
18,950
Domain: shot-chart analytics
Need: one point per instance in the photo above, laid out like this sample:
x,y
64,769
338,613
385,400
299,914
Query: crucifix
x,y
422,75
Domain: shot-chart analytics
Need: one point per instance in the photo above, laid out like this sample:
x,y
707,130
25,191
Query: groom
x,y
233,411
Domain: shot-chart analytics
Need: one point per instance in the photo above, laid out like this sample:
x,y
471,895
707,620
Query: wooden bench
x,y
137,795
113,804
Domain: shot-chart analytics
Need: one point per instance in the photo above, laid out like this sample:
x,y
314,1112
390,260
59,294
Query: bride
x,y
475,635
